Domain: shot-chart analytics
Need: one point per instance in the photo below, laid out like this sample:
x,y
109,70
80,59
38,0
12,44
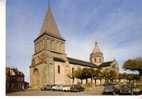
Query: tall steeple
x,y
96,57
49,37
49,25
48,46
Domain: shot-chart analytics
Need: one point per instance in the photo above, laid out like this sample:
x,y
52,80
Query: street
x,y
96,91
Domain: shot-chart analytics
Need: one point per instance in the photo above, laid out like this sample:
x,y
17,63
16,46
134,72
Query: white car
x,y
57,88
66,88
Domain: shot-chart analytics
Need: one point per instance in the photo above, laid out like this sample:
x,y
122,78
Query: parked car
x,y
137,91
125,90
109,89
76,88
66,88
57,87
46,88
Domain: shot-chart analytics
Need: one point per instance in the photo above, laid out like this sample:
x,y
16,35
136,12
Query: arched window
x,y
100,60
58,69
95,60
72,70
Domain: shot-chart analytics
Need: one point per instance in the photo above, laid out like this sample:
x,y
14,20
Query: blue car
x,y
125,90
109,89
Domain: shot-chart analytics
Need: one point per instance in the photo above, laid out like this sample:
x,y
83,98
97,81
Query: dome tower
x,y
96,57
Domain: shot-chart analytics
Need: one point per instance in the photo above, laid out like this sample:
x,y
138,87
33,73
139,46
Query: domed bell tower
x,y
96,57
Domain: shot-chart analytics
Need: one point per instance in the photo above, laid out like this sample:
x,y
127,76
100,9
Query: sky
x,y
115,24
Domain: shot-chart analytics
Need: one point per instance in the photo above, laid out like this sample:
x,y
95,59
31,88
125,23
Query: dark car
x,y
46,88
76,88
117,88
125,90
109,89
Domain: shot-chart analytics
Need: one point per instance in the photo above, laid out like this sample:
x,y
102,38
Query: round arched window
x,y
58,69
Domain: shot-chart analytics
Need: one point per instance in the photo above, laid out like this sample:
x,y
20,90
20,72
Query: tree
x,y
134,64
71,76
106,75
86,73
120,76
78,74
109,75
135,76
92,74
95,75
113,75
98,75
130,77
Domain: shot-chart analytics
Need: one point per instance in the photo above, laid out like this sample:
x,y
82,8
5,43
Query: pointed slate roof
x,y
49,25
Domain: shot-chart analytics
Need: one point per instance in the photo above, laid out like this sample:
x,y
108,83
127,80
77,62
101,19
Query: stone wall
x,y
60,73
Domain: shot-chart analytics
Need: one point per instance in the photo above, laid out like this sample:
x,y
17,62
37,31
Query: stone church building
x,y
50,63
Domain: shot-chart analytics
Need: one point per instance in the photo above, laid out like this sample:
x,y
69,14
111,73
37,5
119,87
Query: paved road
x,y
96,91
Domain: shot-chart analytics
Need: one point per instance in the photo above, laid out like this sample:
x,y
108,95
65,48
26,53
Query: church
x,y
50,62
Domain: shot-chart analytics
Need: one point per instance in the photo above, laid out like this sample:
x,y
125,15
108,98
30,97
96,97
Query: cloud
x,y
116,24
119,35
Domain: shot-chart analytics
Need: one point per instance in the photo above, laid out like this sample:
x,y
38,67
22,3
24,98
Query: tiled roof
x,y
59,59
105,64
81,62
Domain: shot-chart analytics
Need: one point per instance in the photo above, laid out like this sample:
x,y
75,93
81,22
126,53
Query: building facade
x,y
15,80
50,63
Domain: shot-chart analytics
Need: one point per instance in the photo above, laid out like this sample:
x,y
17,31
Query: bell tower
x,y
48,45
96,57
